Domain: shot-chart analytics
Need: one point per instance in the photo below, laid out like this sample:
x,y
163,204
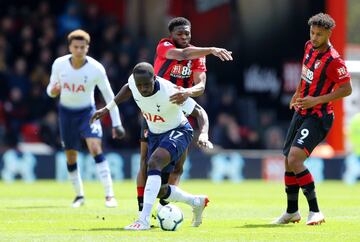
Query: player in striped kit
x,y
74,77
324,78
169,136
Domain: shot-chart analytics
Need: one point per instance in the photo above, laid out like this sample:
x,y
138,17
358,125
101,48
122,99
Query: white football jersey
x,y
161,115
78,85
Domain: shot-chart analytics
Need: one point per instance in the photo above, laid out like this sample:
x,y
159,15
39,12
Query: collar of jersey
x,y
86,61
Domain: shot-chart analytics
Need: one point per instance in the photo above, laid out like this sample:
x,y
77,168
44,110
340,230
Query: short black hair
x,y
322,20
143,69
178,21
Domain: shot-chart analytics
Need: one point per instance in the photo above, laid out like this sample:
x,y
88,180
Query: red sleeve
x,y
337,71
199,65
163,47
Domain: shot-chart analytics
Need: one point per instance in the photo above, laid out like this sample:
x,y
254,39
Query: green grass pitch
x,y
236,212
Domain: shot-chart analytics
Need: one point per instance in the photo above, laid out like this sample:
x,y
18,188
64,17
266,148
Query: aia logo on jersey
x,y
181,71
71,87
307,74
153,118
317,64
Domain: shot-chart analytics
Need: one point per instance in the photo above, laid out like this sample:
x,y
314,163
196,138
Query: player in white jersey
x,y
74,77
169,136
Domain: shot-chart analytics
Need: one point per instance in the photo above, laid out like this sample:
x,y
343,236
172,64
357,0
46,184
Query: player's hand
x,y
55,91
293,103
223,54
118,132
203,142
180,96
306,102
98,114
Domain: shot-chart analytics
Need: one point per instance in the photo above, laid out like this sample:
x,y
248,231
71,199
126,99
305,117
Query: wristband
x,y
110,105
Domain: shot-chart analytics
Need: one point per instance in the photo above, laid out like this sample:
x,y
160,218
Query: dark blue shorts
x,y
74,125
175,141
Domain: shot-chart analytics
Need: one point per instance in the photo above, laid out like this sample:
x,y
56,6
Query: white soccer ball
x,y
170,217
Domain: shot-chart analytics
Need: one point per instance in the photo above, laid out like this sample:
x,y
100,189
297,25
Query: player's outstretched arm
x,y
123,95
192,52
203,122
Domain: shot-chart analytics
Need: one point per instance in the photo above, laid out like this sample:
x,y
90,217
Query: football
x,y
170,217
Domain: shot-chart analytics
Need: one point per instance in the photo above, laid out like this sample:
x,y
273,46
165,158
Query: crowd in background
x,y
31,38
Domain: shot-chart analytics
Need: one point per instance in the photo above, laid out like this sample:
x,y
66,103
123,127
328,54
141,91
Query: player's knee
x,y
95,149
294,161
153,165
155,162
71,159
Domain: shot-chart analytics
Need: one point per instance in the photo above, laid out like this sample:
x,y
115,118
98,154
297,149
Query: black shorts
x,y
306,132
144,131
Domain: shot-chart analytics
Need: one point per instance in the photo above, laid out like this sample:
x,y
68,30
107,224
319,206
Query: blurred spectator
x,y
226,132
19,78
70,19
273,138
39,76
49,130
38,103
16,111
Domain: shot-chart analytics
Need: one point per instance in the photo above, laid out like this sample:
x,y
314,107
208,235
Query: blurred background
x,y
246,100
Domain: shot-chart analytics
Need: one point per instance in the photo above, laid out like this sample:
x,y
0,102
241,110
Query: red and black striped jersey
x,y
321,71
178,72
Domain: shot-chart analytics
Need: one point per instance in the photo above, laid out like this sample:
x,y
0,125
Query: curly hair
x,y
179,21
323,20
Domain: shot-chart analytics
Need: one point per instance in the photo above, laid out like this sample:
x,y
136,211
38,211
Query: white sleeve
x,y
54,78
188,106
106,91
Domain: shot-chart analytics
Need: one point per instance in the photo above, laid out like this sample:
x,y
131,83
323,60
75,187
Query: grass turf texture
x,y
236,212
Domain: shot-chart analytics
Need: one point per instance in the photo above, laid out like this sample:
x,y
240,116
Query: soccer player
x,y
74,77
184,65
324,78
169,136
